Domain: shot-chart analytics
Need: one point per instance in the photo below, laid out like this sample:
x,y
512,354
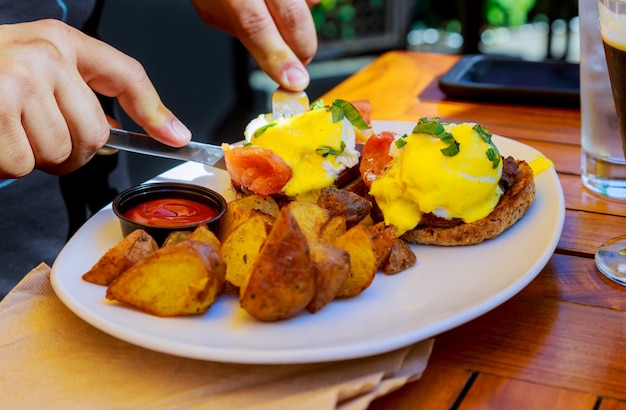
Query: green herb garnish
x,y
401,142
325,150
452,149
317,104
492,153
434,127
342,108
261,130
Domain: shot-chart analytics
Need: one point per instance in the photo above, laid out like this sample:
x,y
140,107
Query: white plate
x,y
446,288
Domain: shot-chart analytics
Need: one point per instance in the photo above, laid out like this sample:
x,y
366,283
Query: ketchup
x,y
171,212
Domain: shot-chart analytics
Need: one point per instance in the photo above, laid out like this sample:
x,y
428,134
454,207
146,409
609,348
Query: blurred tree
x,y
347,19
508,13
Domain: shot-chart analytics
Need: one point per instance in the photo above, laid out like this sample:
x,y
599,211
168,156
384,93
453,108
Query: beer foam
x,y
613,25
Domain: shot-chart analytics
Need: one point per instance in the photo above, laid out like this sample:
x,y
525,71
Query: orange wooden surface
x,y
559,343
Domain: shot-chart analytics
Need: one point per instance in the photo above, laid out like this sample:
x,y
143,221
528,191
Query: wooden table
x,y
561,342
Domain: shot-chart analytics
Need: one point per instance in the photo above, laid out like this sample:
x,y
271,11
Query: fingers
x,y
85,122
108,150
50,117
17,159
295,24
279,34
114,74
34,133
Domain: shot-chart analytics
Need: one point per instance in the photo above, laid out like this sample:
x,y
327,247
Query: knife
x,y
143,144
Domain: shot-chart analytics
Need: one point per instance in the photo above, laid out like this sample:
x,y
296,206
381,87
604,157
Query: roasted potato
x,y
400,258
131,249
241,209
383,237
333,229
357,241
310,217
339,202
202,233
356,186
281,282
241,248
175,237
182,279
331,266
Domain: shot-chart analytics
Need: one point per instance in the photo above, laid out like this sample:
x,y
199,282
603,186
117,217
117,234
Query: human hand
x,y
51,118
279,34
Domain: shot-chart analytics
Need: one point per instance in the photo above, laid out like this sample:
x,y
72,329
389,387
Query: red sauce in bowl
x,y
171,212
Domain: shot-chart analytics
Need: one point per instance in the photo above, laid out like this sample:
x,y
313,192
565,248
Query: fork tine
x,y
287,103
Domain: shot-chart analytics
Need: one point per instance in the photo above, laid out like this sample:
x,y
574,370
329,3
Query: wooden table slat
x,y
492,392
584,232
575,279
438,389
612,404
578,198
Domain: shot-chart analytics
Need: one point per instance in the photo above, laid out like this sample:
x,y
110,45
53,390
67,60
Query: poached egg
x,y
317,144
452,172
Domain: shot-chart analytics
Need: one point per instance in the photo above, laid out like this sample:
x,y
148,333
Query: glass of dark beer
x,y
611,257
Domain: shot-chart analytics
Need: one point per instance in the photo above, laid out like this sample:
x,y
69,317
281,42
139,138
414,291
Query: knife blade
x,y
143,144
287,103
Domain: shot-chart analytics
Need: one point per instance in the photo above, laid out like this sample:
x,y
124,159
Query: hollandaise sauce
x,y
318,150
422,179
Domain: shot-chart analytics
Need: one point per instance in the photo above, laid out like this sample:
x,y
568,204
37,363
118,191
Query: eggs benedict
x,y
298,156
442,183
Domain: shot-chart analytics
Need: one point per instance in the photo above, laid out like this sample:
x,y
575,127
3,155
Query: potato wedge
x,y
357,241
340,202
333,229
400,258
175,237
131,249
282,282
310,217
383,237
241,209
182,279
202,233
241,249
331,266
356,186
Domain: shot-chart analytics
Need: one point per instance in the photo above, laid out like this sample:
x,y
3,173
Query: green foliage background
x,y
430,13
508,13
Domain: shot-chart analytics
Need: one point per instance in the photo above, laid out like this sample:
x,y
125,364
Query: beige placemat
x,y
50,358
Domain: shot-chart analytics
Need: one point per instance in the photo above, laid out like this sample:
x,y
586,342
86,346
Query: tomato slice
x,y
375,156
364,107
257,169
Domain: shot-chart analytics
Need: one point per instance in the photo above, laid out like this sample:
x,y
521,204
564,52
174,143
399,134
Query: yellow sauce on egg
x,y
540,164
423,180
307,133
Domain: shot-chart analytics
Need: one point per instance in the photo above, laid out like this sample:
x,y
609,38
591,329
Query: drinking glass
x,y
603,166
611,257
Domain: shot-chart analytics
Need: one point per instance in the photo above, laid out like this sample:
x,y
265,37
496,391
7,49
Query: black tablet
x,y
513,80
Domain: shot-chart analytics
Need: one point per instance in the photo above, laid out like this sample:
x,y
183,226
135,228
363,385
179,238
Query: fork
x,y
287,103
